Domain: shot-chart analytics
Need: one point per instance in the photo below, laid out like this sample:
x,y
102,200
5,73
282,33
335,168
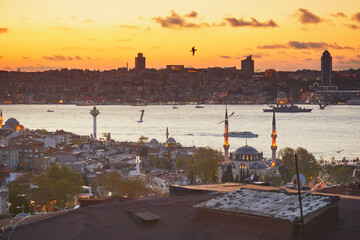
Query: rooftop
x,y
273,204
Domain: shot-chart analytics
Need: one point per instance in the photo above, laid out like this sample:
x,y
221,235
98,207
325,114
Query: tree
x,y
306,162
67,184
338,174
114,183
203,165
227,175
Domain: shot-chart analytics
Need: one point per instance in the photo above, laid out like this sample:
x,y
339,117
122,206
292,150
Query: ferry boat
x,y
243,134
285,108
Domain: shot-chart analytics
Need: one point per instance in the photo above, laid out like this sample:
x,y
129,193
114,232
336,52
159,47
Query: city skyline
x,y
42,35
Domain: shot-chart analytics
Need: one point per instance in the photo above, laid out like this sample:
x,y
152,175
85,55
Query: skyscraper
x,y
247,66
326,68
139,62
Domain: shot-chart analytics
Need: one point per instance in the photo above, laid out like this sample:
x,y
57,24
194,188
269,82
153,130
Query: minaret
x,y
273,145
226,138
1,119
138,161
167,133
94,112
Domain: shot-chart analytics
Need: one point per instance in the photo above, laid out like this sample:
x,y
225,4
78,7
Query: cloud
x,y
89,20
356,17
253,56
307,17
308,59
358,56
61,58
175,21
192,14
338,15
226,57
272,46
156,47
306,45
252,23
124,40
352,26
0,57
339,57
4,30
25,58
129,26
172,21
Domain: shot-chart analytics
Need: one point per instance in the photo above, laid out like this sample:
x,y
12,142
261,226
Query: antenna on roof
x,y
299,191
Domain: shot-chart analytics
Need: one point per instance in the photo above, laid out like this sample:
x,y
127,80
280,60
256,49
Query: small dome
x,y
154,141
246,150
281,95
12,121
171,140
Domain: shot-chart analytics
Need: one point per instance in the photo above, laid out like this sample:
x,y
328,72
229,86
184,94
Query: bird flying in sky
x,y
340,151
141,117
226,118
193,50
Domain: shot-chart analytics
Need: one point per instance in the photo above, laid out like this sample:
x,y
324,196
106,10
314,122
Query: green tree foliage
x,y
338,174
203,165
306,162
114,183
18,203
273,180
56,187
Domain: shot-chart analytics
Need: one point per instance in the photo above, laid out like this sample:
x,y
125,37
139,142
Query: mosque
x,y
11,124
246,161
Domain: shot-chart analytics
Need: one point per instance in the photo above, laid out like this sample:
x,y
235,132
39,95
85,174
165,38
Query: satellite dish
x,y
302,180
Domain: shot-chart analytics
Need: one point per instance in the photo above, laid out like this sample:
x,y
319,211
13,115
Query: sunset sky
x,y
38,35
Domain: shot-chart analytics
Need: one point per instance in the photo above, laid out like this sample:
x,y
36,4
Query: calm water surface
x,y
322,132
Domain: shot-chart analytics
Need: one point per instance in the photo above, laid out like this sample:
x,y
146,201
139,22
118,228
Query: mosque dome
x,y
171,140
12,123
247,153
154,141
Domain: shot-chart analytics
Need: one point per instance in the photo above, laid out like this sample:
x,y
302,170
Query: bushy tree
x,y
306,163
114,183
203,165
338,174
56,185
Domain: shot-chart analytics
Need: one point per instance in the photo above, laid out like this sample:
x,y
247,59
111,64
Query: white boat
x,y
243,134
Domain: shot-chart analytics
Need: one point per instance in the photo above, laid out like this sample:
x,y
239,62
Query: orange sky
x,y
285,35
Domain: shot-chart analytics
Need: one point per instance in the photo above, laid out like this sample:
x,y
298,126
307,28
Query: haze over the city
x,y
39,35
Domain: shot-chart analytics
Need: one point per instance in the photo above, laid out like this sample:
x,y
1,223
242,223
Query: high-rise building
x,y
326,68
247,66
139,62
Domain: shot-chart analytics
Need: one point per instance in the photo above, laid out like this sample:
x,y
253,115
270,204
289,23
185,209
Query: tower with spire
x,y
1,119
273,144
226,138
167,133
94,112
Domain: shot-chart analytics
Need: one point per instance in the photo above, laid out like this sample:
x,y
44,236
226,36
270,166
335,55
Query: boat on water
x,y
175,107
243,134
50,110
283,104
198,106
285,108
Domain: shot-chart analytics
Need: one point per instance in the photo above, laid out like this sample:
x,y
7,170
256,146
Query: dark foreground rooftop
x,y
163,218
